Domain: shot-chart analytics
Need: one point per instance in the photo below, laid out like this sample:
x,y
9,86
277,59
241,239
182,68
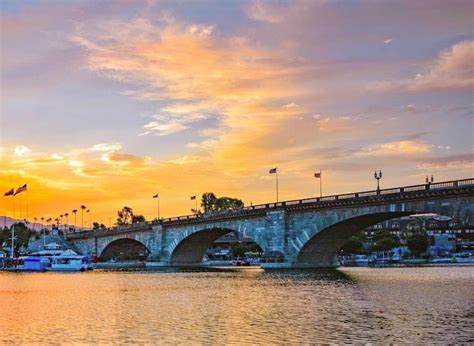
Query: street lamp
x,y
193,198
429,181
378,177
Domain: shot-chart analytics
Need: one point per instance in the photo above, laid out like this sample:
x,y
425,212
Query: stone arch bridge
x,y
298,233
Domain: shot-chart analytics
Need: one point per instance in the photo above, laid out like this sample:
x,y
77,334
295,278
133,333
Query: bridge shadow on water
x,y
307,274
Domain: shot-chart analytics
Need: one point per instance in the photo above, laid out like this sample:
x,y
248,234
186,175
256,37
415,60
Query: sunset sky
x,y
105,103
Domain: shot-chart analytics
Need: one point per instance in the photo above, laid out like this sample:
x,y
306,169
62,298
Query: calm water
x,y
239,306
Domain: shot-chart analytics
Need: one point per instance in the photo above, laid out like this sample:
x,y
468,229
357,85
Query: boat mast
x,y
13,241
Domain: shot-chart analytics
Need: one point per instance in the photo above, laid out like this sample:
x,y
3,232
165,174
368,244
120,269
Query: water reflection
x,y
239,305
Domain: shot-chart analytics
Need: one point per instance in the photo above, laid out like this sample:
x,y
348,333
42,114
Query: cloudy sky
x,y
105,103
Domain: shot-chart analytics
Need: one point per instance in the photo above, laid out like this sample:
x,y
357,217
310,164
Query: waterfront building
x,y
447,236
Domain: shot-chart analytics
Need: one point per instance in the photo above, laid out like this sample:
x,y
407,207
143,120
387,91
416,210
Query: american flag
x,y
317,175
10,192
273,170
156,196
21,189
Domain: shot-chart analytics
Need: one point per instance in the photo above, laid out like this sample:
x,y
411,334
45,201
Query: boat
x,y
361,261
463,257
32,264
73,263
239,262
63,260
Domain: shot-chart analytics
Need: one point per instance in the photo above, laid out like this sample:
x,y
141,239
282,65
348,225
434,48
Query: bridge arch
x,y
322,248
125,249
189,249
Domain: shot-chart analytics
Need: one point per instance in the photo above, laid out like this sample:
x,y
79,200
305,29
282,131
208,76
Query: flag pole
x,y
158,201
277,184
320,184
13,241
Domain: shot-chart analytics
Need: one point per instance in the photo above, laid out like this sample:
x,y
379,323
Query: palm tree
x,y
44,231
82,216
67,221
61,216
75,214
88,211
34,224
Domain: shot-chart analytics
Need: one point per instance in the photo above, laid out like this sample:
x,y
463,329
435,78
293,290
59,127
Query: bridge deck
x,y
406,193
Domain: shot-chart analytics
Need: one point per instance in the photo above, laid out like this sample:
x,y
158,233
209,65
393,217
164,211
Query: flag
x,y
193,198
156,196
317,175
21,189
10,192
273,170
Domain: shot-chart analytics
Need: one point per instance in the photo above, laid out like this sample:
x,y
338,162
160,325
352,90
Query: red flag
x,y
273,170
317,175
10,192
21,189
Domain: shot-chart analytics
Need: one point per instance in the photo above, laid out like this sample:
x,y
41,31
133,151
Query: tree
x,y
4,236
208,202
74,211
96,226
418,243
385,244
226,203
22,234
138,218
83,207
125,216
211,203
385,241
354,245
67,220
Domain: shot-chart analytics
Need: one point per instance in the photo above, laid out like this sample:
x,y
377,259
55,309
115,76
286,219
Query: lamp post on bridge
x,y
429,181
378,177
193,198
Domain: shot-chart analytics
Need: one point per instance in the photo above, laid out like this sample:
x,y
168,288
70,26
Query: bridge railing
x,y
259,207
389,191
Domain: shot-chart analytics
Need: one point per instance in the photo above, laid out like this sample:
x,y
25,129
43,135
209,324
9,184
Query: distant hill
x,y
8,221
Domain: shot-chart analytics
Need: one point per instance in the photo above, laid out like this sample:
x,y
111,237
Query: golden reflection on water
x,y
239,306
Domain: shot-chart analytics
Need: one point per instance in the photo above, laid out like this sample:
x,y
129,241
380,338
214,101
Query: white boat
x,y
73,263
64,260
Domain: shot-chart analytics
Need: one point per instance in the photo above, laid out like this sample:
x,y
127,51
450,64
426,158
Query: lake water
x,y
240,306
